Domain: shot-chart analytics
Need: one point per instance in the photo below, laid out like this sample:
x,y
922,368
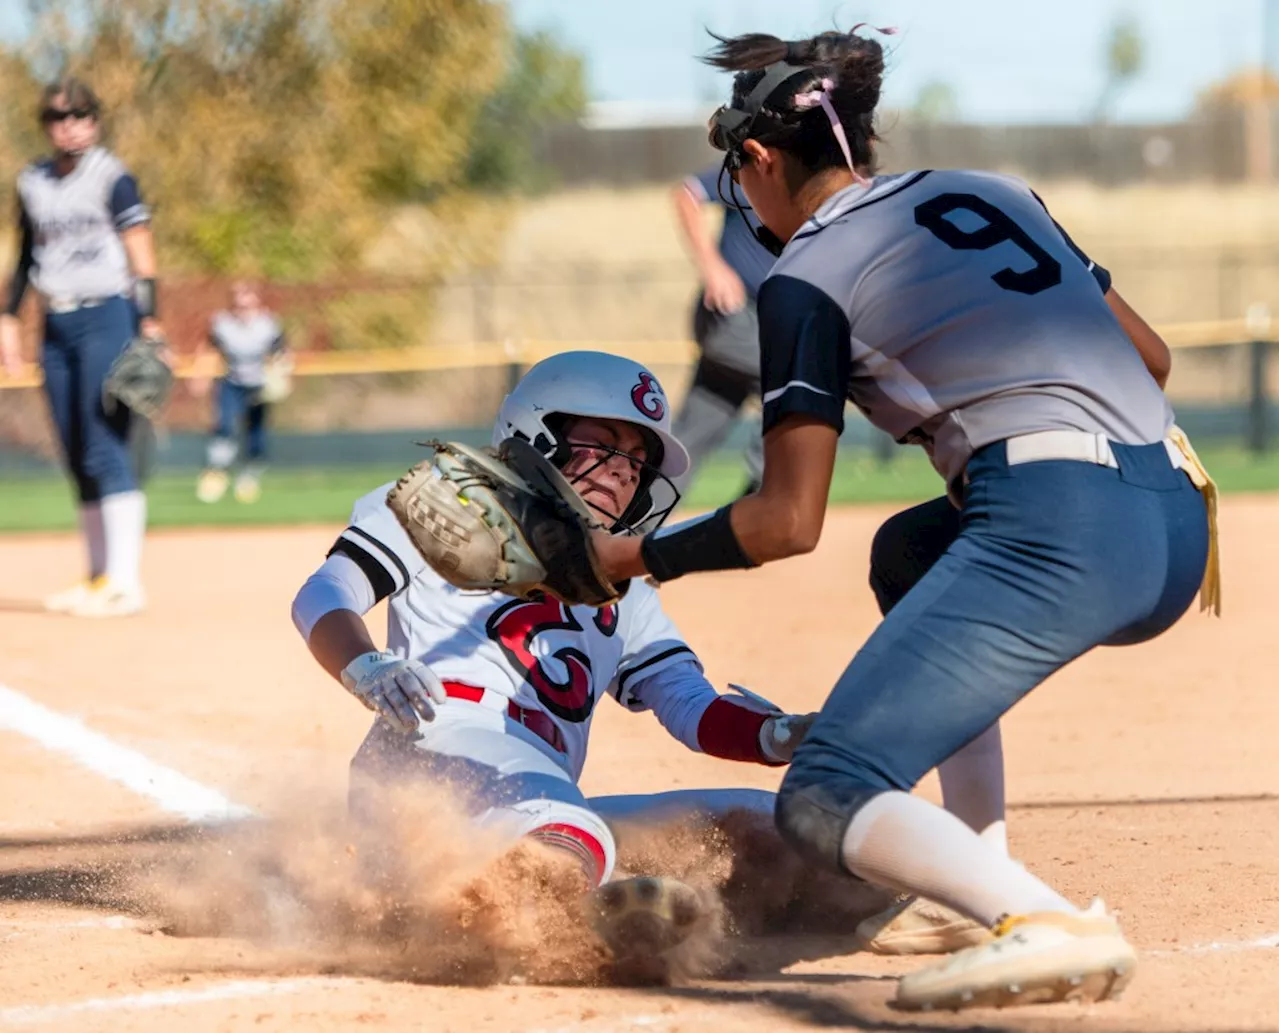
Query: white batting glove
x,y
400,690
782,733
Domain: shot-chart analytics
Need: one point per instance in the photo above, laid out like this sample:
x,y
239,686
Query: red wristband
x,y
732,732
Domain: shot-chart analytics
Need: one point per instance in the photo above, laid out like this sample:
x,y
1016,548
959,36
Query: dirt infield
x,y
1146,775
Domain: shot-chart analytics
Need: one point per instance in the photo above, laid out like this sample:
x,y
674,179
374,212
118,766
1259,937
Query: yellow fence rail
x,y
1218,333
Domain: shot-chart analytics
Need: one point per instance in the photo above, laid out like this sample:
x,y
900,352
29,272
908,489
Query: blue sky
x,y
1007,60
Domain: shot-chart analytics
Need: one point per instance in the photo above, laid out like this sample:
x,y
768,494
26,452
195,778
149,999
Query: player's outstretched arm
x,y
784,518
730,726
328,613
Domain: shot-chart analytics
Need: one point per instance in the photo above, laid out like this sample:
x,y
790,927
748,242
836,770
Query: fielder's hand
x,y
400,690
782,733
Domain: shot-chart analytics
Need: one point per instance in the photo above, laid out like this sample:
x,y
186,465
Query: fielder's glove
x,y
400,690
139,379
502,520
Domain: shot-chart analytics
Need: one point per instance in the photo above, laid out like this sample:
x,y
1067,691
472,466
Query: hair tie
x,y
822,97
887,31
796,54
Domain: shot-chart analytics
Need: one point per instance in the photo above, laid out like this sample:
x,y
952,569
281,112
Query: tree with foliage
x,y
277,136
935,103
1123,59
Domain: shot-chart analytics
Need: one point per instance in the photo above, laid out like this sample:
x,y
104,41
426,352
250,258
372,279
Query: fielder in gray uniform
x,y
86,248
248,338
958,316
724,323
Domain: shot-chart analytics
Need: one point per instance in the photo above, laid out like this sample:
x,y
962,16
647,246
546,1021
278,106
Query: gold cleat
x,y
1030,959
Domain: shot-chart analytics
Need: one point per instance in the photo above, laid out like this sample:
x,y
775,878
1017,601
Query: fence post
x,y
1258,320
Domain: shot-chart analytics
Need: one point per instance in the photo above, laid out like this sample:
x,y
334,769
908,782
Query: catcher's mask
x,y
730,127
602,386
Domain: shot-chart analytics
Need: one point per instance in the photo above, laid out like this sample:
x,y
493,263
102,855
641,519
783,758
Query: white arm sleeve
x,y
678,695
372,559
339,584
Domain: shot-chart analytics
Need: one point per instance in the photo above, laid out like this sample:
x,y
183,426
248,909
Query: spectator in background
x,y
724,323
86,248
250,341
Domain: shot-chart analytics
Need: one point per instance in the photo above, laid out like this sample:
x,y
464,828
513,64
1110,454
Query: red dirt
x,y
1144,775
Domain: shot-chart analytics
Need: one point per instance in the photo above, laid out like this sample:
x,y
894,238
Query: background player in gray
x,y
724,323
86,248
247,336
953,311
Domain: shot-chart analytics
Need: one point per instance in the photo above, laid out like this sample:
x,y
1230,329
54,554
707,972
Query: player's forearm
x,y
1150,345
338,638
139,247
701,245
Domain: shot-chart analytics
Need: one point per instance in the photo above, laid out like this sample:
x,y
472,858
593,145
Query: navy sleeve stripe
x,y
627,675
395,560
379,580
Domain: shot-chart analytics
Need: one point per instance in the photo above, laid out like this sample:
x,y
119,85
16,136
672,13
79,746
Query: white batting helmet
x,y
601,386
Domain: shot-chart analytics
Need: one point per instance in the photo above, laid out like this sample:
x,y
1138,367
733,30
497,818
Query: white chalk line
x,y
171,790
35,1014
1262,943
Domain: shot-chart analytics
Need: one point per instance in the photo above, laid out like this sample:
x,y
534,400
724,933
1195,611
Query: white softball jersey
x,y
539,653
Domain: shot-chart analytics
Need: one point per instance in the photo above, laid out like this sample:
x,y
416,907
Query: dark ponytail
x,y
854,65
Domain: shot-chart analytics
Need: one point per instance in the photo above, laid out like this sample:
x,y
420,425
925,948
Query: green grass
x,y
43,502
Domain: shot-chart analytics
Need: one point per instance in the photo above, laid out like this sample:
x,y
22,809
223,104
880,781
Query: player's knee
x,y
576,831
906,546
812,816
889,579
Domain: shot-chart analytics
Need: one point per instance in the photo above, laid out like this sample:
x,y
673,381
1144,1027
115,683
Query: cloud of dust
x,y
427,896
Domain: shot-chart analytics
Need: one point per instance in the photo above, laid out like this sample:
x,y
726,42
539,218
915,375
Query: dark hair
x,y
78,93
853,64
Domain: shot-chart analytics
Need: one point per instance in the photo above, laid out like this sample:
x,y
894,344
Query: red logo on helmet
x,y
647,396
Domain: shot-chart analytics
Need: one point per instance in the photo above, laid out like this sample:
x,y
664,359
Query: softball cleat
x,y
212,485
110,600
643,917
914,925
1030,959
70,598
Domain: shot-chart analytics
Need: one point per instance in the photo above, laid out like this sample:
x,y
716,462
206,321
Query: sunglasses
x,y
51,115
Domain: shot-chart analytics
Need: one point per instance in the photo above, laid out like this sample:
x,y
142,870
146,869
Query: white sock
x,y
125,517
95,537
973,787
907,844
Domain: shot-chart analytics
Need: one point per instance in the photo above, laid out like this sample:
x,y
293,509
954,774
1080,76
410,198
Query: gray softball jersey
x,y
245,345
954,312
74,223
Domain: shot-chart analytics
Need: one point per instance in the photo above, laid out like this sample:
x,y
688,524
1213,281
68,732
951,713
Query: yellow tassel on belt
x,y
1211,586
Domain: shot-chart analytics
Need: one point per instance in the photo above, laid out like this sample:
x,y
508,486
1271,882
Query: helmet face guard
x,y
600,386
655,495
729,128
